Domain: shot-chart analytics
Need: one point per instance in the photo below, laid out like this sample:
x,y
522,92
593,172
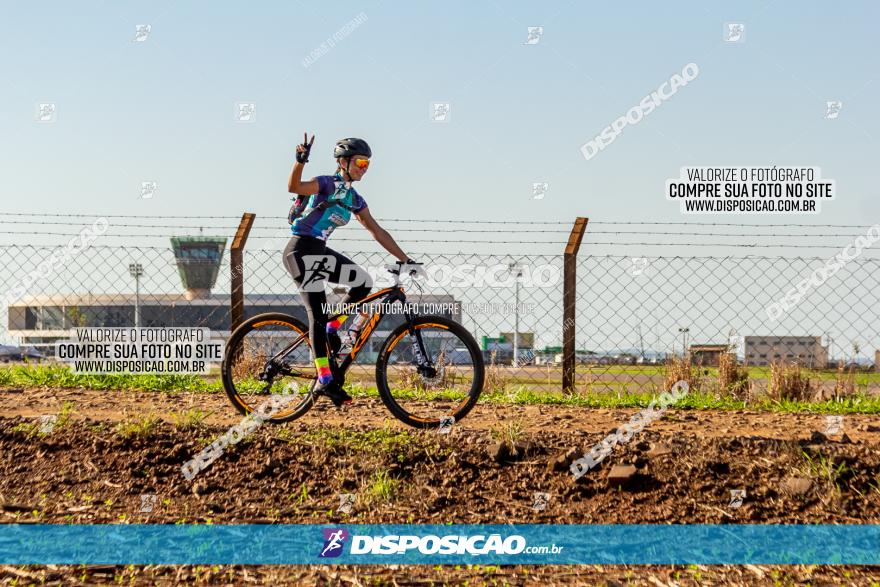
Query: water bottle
x,y
354,330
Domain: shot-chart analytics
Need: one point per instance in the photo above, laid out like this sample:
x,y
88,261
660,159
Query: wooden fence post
x,y
569,297
236,256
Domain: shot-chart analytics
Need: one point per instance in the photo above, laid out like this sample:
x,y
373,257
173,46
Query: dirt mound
x,y
93,472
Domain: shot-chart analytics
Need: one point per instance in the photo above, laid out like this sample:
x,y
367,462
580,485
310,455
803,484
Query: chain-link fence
x,y
637,320
637,316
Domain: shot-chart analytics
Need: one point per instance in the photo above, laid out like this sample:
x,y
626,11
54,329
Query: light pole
x,y
830,340
684,332
136,270
511,267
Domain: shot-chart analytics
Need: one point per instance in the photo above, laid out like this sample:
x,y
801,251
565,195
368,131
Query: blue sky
x,y
163,109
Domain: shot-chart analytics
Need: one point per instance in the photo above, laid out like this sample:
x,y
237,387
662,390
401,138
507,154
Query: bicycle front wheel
x,y
426,391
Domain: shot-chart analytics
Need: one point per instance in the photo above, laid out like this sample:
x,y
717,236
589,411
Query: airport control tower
x,y
198,262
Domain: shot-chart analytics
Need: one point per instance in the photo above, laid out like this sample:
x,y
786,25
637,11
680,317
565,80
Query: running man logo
x,y
737,496
833,425
832,109
446,423
535,33
734,32
318,268
334,539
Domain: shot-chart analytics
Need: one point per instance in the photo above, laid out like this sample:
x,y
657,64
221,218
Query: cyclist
x,y
331,201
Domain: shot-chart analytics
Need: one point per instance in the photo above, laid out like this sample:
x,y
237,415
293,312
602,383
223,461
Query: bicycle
x,y
436,374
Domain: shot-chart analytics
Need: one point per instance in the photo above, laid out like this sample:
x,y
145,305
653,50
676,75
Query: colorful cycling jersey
x,y
319,223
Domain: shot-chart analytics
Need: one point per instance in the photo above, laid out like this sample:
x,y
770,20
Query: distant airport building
x,y
708,355
41,320
198,262
804,350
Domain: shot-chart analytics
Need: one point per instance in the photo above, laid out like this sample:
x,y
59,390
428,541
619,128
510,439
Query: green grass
x,y
139,427
824,471
36,428
611,395
380,487
61,376
861,377
191,419
522,395
384,439
510,431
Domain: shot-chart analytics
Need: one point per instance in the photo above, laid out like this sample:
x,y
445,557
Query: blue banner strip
x,y
439,544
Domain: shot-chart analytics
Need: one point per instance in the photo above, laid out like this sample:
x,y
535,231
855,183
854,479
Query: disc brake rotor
x,y
439,373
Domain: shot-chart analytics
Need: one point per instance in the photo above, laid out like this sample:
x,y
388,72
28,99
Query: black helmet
x,y
351,147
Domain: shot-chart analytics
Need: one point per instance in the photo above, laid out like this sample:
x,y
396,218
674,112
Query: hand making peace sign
x,y
302,150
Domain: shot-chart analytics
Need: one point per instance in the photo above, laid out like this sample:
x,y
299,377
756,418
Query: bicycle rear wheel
x,y
268,362
446,383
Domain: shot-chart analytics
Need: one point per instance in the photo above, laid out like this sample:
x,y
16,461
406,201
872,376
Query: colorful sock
x,y
333,325
324,374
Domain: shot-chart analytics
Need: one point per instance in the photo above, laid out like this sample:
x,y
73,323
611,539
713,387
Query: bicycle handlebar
x,y
395,270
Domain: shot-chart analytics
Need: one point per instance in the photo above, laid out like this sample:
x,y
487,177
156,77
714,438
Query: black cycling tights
x,y
312,264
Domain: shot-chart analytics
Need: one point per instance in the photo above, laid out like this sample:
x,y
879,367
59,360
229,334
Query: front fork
x,y
424,364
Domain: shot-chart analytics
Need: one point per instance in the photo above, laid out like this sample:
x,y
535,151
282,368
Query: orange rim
x,y
391,347
238,399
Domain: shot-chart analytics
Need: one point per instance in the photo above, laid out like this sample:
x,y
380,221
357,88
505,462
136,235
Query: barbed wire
x,y
279,237
455,221
440,230
279,227
492,241
462,221
583,254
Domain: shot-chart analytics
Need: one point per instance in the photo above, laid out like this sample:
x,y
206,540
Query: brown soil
x,y
87,472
